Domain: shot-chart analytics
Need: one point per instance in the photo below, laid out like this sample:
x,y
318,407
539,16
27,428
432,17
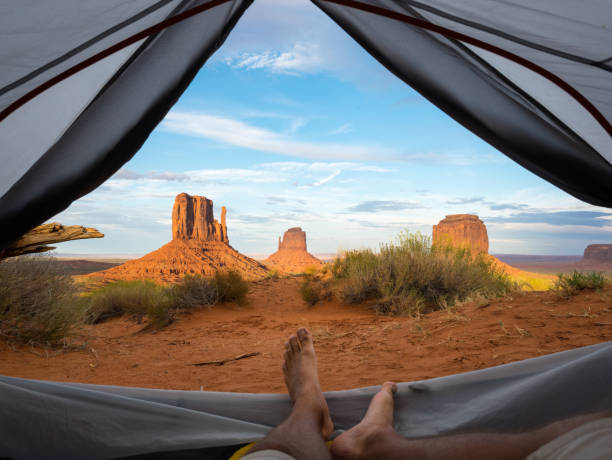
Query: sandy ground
x,y
355,347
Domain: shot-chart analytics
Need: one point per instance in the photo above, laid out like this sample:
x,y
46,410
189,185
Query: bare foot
x,y
302,378
360,441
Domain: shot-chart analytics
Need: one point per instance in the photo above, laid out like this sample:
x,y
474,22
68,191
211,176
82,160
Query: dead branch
x,y
37,239
221,362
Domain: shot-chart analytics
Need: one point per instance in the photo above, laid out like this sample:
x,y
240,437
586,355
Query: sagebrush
x,y
569,285
39,303
139,299
310,291
413,275
159,304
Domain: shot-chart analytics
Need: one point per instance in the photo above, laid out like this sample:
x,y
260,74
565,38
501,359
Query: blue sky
x,y
290,124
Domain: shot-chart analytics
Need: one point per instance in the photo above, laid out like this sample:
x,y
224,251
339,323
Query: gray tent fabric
x,y
41,419
76,129
68,140
527,117
70,136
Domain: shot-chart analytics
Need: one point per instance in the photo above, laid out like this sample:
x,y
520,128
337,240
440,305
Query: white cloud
x,y
459,159
295,37
342,129
241,134
323,166
297,124
327,179
301,58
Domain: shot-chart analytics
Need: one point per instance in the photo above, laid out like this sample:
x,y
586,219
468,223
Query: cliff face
x,y
462,230
292,256
192,219
598,252
199,246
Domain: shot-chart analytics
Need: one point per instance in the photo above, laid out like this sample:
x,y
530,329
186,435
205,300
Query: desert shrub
x,y
357,272
310,291
273,274
311,271
569,285
231,286
38,300
159,304
195,291
412,275
409,304
142,298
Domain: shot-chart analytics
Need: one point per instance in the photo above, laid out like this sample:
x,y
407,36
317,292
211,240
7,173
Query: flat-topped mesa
x,y
462,230
292,256
294,239
598,252
193,219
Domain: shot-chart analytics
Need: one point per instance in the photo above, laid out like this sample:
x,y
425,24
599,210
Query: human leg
x,y
302,435
374,437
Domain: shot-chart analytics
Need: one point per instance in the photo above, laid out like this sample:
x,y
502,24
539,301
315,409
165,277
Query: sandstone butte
x,y
597,257
467,230
599,252
292,255
462,230
200,245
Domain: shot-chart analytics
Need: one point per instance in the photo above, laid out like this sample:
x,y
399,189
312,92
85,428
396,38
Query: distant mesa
x,y
598,252
462,230
292,255
200,245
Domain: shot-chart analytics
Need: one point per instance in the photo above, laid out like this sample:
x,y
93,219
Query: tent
x,y
83,83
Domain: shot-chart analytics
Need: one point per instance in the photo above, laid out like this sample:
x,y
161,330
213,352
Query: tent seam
x,y
426,25
107,52
507,36
82,47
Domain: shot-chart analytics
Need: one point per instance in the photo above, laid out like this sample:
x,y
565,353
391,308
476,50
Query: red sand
x,y
355,347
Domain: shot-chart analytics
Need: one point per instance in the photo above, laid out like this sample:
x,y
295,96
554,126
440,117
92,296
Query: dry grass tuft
x,y
160,304
310,291
232,287
39,303
567,286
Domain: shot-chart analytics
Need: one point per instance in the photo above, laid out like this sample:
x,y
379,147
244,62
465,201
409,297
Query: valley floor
x,y
356,347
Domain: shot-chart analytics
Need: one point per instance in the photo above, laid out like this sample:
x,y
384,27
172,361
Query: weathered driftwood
x,y
221,362
37,239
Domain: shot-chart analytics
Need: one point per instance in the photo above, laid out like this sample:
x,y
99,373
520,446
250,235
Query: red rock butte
x,y
462,230
200,245
292,255
598,252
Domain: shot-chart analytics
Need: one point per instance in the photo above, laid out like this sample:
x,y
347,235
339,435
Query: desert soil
x,y
355,346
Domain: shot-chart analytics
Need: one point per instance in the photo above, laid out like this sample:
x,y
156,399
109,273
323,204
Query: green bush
x,y
413,275
570,285
195,291
231,286
409,304
357,271
38,300
159,304
142,298
310,291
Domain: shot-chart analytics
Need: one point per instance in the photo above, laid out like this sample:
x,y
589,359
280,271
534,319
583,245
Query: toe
x,y
304,335
390,386
294,343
